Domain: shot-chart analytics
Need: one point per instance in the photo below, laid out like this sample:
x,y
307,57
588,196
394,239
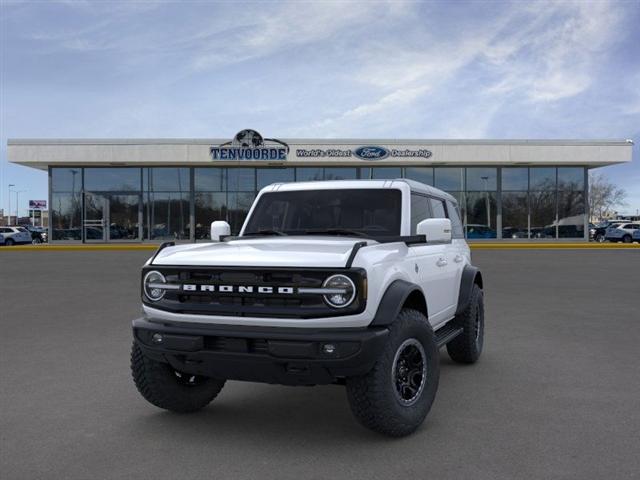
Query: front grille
x,y
253,304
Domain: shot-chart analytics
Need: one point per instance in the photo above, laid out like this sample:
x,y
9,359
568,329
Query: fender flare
x,y
393,300
470,275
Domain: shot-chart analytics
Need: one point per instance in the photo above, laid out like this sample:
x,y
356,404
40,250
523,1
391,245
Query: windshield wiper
x,y
266,232
337,231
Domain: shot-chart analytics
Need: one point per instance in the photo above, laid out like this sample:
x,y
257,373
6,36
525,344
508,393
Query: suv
x,y
622,232
15,235
599,231
357,283
38,234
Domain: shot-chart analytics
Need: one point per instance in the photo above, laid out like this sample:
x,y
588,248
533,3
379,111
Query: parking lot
x,y
555,395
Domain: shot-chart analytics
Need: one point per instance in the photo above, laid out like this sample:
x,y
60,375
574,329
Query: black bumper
x,y
288,356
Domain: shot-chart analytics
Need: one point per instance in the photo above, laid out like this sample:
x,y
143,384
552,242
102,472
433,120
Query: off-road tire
x,y
467,347
160,385
373,397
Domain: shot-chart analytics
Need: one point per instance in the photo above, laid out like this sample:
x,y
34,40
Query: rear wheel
x,y
9,241
467,347
396,395
626,239
170,389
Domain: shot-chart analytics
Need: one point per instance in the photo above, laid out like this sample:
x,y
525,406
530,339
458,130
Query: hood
x,y
307,251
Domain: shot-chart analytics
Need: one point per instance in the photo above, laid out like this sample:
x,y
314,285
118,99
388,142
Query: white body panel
x,y
435,268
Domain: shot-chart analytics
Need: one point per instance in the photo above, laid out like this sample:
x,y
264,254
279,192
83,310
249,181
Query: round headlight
x,y
151,281
342,293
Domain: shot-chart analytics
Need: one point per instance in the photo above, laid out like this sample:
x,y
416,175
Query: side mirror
x,y
219,229
436,230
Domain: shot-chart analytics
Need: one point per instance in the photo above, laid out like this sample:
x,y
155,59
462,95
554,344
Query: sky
x,y
374,69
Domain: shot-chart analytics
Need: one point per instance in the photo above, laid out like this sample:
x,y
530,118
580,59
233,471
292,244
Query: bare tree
x,y
604,196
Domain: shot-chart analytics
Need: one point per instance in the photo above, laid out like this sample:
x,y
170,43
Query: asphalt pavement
x,y
556,393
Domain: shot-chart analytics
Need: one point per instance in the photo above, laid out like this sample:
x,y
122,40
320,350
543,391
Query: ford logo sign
x,y
371,153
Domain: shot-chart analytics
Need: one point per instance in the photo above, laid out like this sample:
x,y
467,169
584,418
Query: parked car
x,y
15,235
480,231
514,232
38,234
599,231
622,232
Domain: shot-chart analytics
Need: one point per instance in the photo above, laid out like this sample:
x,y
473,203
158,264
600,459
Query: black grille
x,y
282,305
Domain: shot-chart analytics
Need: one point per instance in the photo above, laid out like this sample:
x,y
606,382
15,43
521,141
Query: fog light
x,y
156,338
328,348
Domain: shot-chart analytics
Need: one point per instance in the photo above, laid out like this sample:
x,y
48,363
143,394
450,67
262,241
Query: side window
x,y
419,210
437,207
456,222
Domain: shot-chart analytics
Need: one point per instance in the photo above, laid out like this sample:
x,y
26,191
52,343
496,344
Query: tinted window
x,y
419,210
112,179
456,222
374,212
437,208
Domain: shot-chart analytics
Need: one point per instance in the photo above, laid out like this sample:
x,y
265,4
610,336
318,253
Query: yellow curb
x,y
474,246
79,247
553,246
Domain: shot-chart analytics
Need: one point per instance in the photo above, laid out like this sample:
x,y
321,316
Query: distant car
x,y
598,232
15,235
38,234
480,231
622,232
514,232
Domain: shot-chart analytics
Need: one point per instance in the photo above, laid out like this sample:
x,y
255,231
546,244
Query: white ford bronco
x,y
356,283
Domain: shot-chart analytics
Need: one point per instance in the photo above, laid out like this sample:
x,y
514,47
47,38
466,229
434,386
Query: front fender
x,y
392,301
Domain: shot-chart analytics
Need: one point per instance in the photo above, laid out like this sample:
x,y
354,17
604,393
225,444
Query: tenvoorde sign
x,y
249,145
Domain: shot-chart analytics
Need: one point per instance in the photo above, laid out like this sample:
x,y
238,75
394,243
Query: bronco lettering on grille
x,y
236,289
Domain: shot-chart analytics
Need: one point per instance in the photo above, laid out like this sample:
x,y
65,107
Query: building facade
x,y
152,190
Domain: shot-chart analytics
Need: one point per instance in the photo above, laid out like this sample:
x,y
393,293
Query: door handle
x,y
458,258
441,262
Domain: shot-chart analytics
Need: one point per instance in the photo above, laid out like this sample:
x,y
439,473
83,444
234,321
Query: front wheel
x,y
36,241
626,239
396,395
599,238
167,388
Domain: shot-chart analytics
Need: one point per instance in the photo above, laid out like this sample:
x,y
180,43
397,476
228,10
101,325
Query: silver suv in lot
x,y
622,232
15,235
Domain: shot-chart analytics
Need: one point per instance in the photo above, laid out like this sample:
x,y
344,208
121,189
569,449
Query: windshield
x,y
358,212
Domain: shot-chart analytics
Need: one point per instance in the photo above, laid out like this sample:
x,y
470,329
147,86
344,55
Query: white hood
x,y
308,251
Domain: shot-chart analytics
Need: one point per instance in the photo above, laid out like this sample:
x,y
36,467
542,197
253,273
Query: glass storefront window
x,y
420,174
482,179
481,215
542,208
167,216
112,179
340,173
209,207
515,179
267,176
166,179
66,218
384,173
306,174
238,205
571,178
66,179
211,179
571,212
449,179
515,215
542,178
241,179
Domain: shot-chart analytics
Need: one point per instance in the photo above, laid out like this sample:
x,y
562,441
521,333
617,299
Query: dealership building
x,y
133,190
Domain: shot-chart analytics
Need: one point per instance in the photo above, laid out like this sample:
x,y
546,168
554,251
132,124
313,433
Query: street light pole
x,y
9,214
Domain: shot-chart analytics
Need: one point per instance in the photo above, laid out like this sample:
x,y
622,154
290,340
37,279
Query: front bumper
x,y
288,356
